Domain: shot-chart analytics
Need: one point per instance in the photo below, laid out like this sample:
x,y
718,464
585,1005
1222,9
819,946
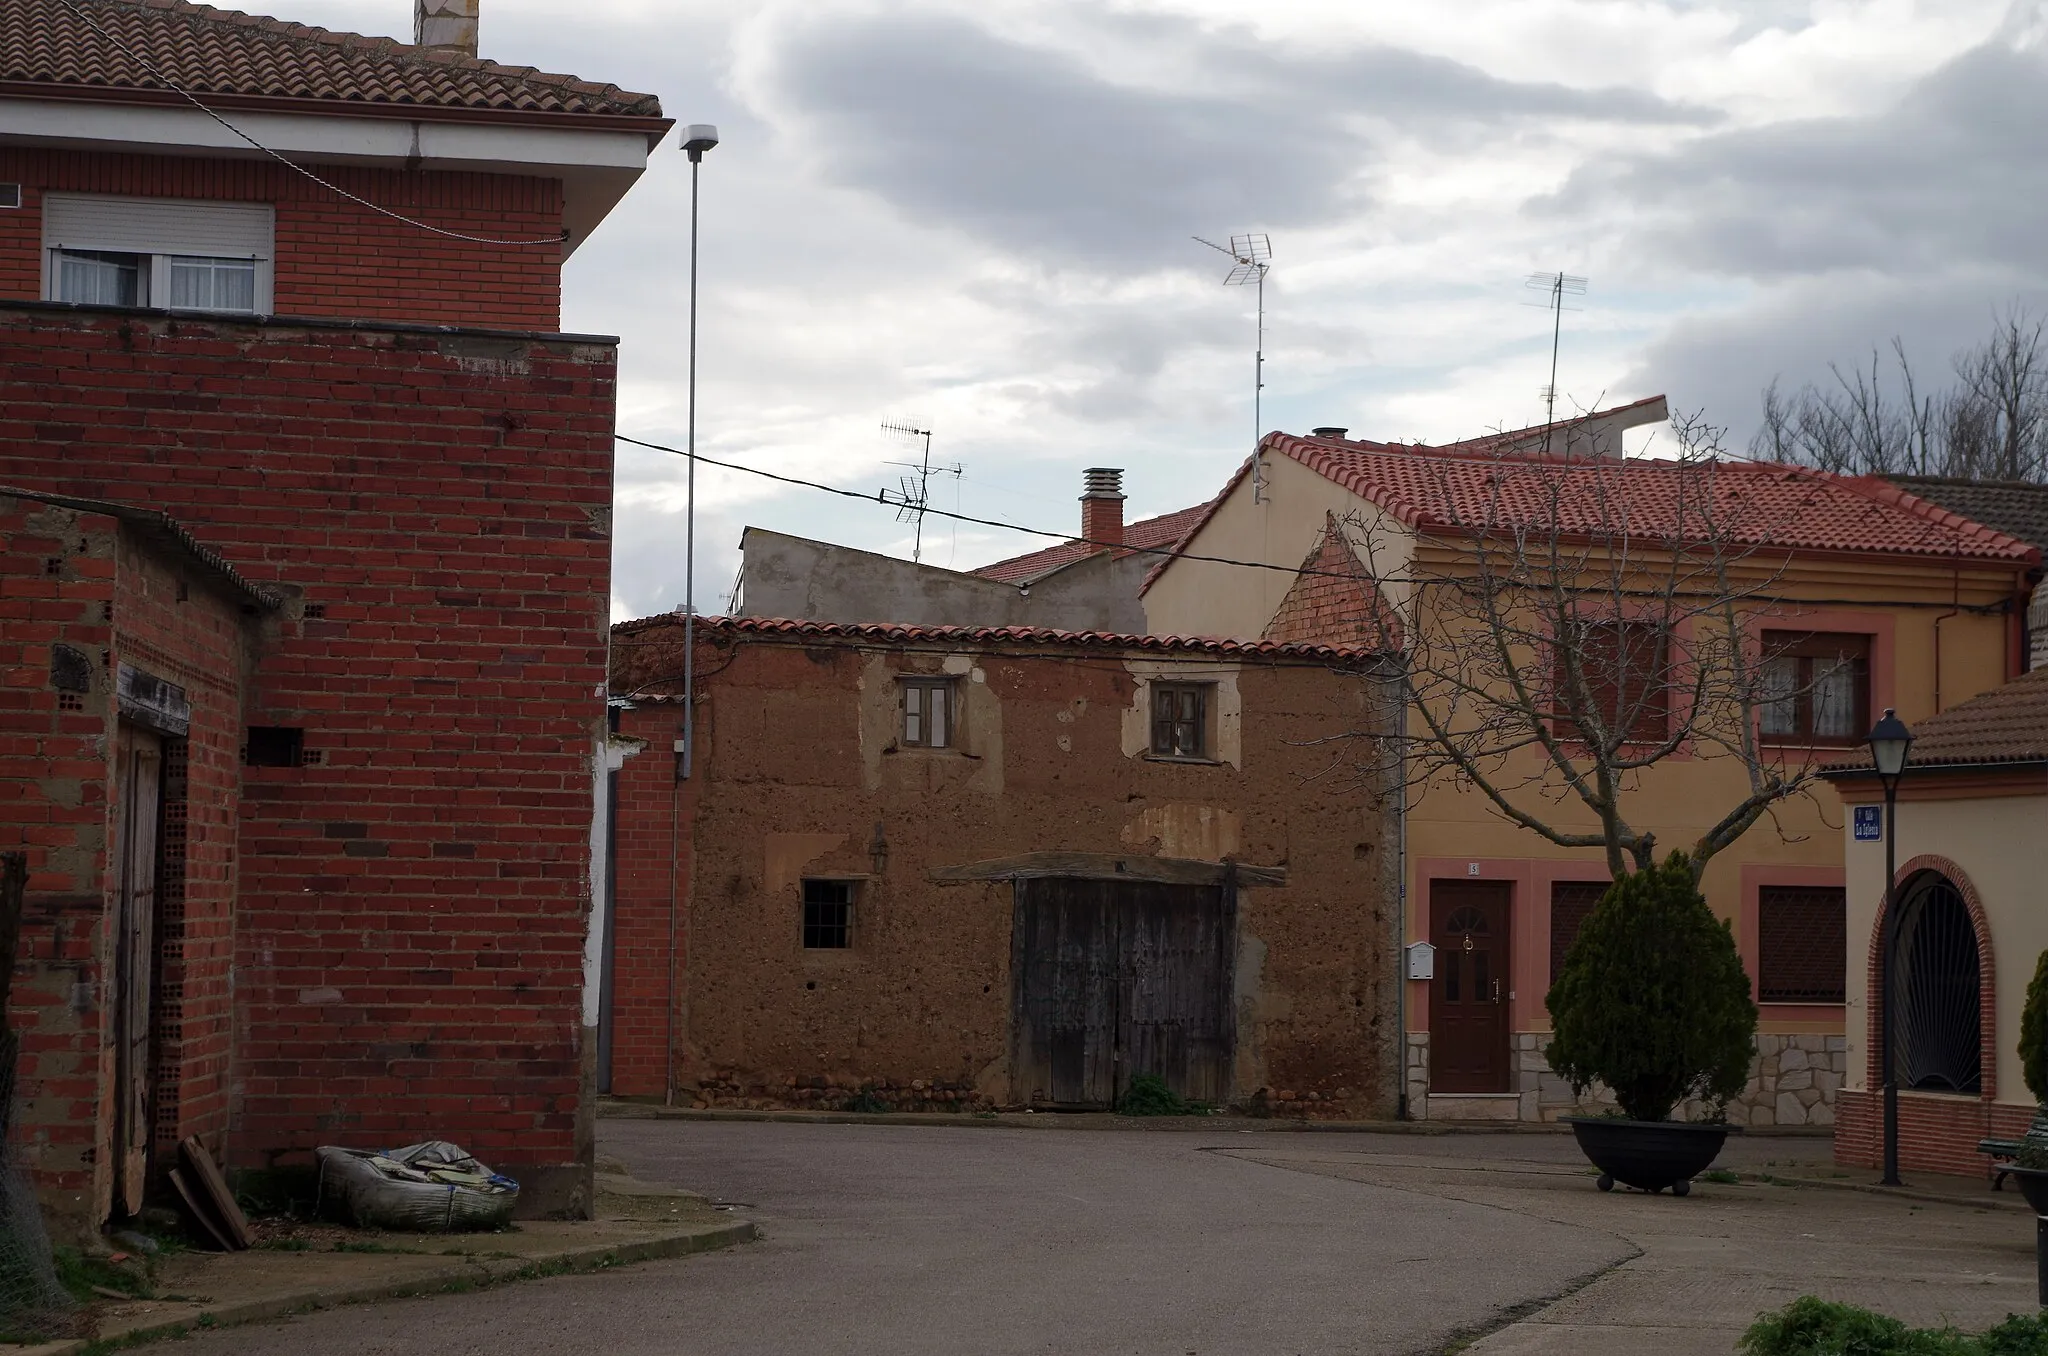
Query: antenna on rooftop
x,y
1252,255
916,492
1559,286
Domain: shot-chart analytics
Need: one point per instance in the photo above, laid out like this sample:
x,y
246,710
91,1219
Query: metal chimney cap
x,y
1329,431
1102,482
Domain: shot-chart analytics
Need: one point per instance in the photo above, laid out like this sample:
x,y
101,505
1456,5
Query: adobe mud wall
x,y
802,773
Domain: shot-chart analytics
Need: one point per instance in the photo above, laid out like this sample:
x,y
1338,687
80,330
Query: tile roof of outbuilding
x,y
1147,534
899,633
104,48
2016,508
162,531
2008,724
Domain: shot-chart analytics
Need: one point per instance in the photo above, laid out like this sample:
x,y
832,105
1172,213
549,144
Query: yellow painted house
x,y
1838,596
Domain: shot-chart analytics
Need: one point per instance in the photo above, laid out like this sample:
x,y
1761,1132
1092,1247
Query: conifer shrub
x,y
1652,1000
2034,1032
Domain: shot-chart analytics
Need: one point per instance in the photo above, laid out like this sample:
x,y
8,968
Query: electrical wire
x,y
139,59
881,497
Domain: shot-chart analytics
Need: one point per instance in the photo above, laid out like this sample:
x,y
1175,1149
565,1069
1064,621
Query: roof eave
x,y
654,126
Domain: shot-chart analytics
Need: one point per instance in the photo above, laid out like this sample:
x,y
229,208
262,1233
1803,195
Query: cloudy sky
x,y
975,216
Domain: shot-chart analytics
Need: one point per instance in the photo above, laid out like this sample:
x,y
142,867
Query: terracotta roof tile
x,y
899,633
227,53
2008,724
1147,534
1459,487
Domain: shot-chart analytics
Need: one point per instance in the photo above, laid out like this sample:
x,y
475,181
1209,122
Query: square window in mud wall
x,y
828,915
929,709
1180,719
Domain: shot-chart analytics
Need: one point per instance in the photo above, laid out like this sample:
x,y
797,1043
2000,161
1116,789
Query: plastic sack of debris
x,y
434,1187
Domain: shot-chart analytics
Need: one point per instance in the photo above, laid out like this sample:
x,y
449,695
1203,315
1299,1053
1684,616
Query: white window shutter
x,y
164,226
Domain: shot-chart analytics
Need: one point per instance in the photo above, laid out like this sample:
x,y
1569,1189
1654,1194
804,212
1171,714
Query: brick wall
x,y
412,906
1936,1133
1336,604
653,869
334,257
56,586
169,620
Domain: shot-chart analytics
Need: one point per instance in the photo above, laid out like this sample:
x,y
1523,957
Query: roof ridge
x,y
786,626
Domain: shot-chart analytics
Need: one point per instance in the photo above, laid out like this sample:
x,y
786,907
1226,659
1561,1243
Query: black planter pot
x,y
2033,1185
1649,1155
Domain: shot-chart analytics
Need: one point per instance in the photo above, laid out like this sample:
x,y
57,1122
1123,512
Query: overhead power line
x,y
84,12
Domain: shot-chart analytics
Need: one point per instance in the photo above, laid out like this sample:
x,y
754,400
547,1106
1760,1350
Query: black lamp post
x,y
1890,741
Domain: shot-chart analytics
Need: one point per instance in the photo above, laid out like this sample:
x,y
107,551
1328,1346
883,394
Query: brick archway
x,y
1987,993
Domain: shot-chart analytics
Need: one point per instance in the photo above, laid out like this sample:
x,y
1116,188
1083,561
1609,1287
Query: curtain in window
x,y
99,279
203,284
1779,697
1835,690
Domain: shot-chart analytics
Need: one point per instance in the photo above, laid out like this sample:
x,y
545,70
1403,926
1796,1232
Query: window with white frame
x,y
167,253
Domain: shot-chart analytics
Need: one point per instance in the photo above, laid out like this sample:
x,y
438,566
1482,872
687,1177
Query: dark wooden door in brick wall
x,y
1112,979
1468,1000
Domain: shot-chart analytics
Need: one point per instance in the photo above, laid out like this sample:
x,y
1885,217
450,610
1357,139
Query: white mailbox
x,y
1421,960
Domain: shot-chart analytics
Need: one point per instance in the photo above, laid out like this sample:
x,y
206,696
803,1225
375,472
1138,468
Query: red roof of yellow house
x,y
1480,486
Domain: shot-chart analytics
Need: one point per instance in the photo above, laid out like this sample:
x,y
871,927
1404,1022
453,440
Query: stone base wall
x,y
1793,1082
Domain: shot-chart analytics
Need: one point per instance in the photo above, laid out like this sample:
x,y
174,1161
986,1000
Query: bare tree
x,y
1992,424
1581,620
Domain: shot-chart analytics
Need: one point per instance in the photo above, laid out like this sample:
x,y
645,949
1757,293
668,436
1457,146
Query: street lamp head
x,y
698,138
1889,742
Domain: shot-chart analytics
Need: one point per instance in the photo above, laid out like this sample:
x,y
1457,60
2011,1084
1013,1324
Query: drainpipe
x,y
1955,609
1401,906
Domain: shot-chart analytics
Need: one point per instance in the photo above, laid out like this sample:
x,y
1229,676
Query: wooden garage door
x,y
1112,979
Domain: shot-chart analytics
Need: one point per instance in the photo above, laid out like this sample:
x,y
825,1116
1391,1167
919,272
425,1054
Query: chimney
x,y
1329,432
445,25
1102,504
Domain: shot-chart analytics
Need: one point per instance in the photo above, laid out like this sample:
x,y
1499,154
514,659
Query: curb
x,y
1991,1200
1110,1121
457,1276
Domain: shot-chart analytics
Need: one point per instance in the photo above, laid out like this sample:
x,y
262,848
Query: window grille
x,y
828,915
1571,903
1802,944
1937,1023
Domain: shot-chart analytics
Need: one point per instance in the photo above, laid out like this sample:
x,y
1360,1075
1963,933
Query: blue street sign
x,y
1869,823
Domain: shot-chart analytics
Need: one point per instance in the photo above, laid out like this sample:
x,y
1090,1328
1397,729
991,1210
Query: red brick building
x,y
941,868
374,426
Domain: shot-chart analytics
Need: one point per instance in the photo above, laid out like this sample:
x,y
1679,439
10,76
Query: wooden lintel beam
x,y
1109,866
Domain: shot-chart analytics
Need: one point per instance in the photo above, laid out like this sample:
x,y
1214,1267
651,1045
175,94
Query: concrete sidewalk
x,y
306,1269
1707,1265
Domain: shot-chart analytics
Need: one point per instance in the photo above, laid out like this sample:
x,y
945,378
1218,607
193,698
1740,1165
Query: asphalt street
x,y
908,1240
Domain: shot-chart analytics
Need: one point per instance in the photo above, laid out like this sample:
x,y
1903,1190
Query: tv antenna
x,y
1251,255
1559,286
916,492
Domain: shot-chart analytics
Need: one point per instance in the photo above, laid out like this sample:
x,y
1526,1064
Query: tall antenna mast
x,y
916,492
1558,285
1252,256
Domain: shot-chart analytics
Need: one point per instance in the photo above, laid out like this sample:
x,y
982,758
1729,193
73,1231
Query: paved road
x,y
911,1240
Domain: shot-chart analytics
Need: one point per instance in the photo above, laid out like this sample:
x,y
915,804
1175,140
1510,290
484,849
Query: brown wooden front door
x,y
1468,1001
1112,979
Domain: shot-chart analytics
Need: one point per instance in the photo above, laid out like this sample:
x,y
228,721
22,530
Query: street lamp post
x,y
1890,741
698,138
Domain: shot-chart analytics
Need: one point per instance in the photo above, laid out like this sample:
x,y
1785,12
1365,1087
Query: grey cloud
x,y
1034,151
1952,171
